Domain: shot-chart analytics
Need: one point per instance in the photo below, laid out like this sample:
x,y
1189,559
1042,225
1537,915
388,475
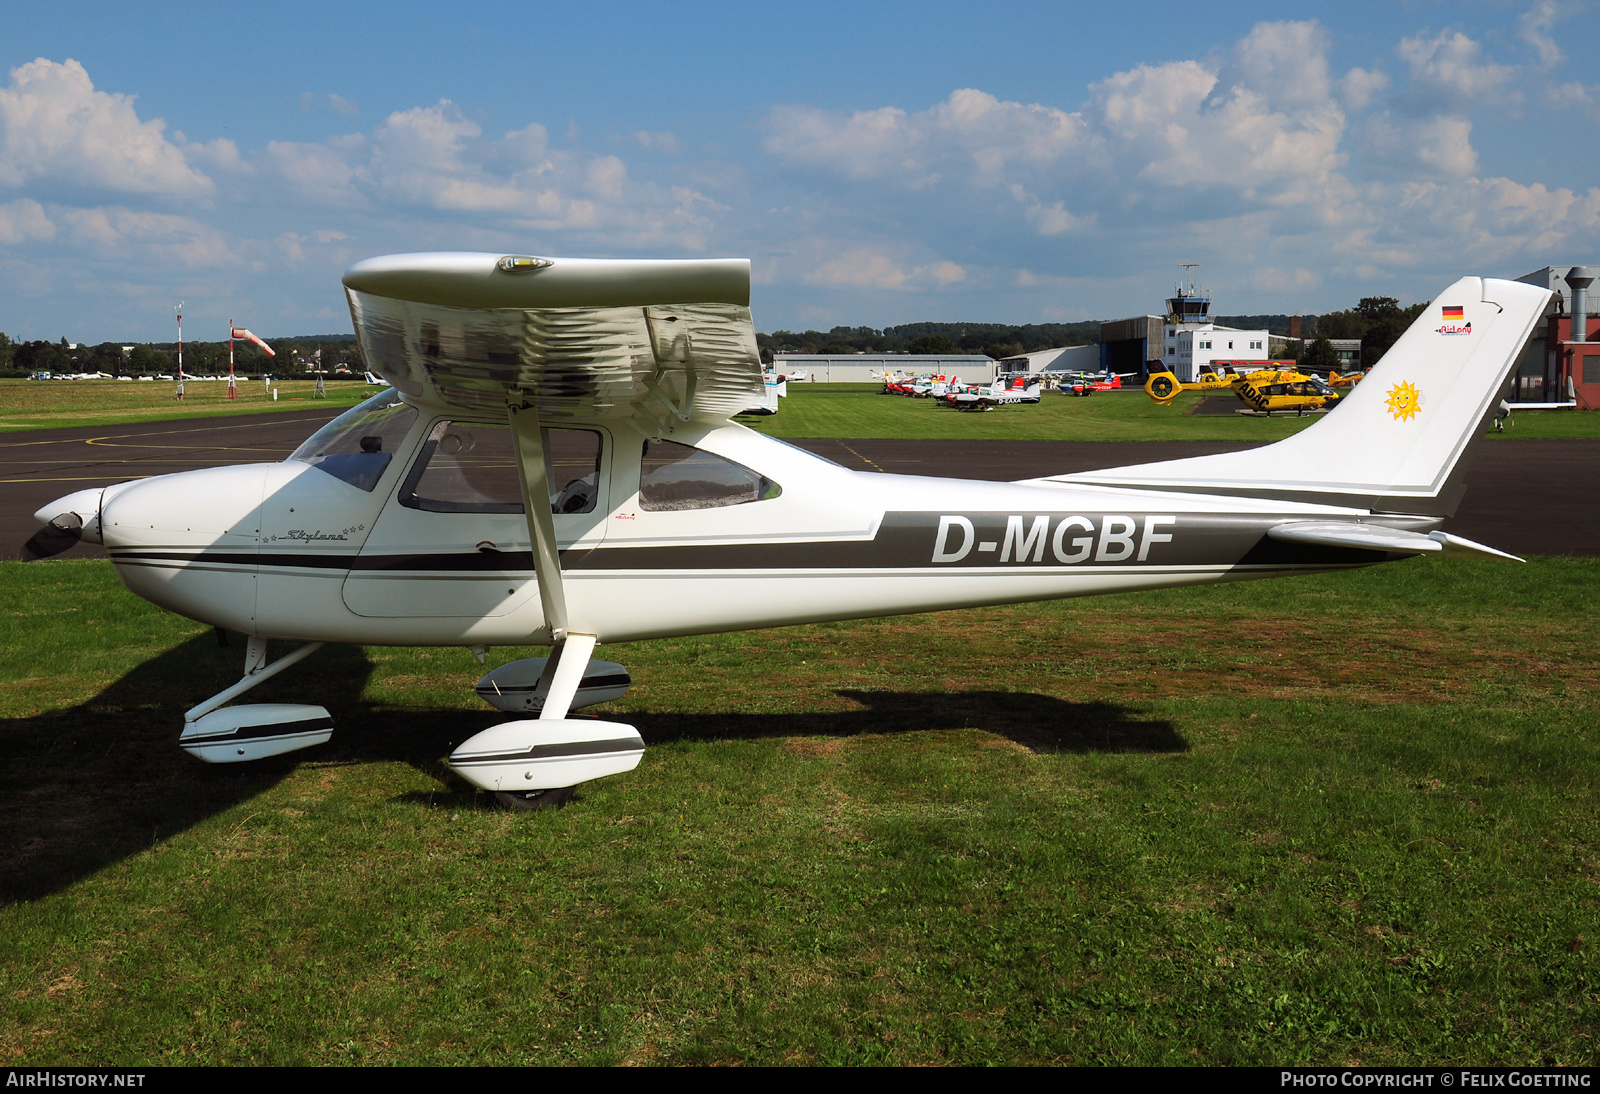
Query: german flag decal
x,y
1453,313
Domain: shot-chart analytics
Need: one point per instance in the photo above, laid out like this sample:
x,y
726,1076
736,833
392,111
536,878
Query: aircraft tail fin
x,y
1398,442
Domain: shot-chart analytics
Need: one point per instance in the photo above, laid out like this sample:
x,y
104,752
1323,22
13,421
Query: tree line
x,y
199,358
997,340
1377,320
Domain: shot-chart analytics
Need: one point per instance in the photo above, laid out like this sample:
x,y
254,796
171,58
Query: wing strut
x,y
564,670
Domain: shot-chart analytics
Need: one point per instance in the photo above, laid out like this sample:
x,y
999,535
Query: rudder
x,y
1397,443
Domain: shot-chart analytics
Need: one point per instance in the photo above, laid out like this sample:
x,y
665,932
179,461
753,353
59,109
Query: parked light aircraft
x,y
555,465
1084,384
1004,390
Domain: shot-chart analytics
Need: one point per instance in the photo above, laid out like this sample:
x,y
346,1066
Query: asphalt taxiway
x,y
1526,497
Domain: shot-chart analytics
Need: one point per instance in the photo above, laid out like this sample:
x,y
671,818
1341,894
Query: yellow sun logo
x,y
1404,401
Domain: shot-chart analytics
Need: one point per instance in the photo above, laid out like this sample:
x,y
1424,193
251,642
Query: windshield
x,y
356,447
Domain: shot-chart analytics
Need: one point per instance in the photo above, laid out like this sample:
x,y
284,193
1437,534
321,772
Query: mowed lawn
x,y
861,410
1339,819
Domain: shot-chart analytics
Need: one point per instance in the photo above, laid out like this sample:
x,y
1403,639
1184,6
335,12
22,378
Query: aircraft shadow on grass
x,y
85,787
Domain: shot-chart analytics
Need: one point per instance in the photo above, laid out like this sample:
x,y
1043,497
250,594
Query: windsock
x,y
240,332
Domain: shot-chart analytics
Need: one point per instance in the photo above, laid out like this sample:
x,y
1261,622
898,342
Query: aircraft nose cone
x,y
189,509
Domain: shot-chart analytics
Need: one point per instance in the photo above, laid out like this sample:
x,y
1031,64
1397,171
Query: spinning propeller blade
x,y
61,534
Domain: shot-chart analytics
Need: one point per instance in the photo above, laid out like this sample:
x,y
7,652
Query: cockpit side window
x,y
471,467
356,447
676,477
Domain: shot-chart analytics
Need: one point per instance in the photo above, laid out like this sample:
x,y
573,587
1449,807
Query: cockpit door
x,y
452,542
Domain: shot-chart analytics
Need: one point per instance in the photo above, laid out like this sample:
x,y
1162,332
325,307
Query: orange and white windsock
x,y
240,332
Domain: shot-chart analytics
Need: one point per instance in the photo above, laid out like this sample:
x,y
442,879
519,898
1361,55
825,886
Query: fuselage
x,y
358,546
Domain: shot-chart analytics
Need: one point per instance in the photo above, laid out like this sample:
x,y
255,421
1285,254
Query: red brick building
x,y
1578,362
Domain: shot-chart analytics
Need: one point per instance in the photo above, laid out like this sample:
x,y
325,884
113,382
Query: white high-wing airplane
x,y
555,465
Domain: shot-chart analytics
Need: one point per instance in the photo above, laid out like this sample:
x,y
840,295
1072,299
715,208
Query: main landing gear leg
x,y
562,675
538,762
255,730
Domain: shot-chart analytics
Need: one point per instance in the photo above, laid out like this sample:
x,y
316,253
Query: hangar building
x,y
1061,359
868,368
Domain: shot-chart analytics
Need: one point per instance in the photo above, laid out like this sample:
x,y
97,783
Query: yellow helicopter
x,y
1278,387
1286,390
1163,387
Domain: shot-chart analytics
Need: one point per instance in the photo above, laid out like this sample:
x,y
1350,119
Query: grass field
x,y
810,410
1339,819
859,410
35,404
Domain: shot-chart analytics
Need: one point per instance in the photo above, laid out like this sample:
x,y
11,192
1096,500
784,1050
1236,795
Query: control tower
x,y
1189,305
1191,341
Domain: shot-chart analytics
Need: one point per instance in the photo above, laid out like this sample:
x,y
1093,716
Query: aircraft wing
x,y
579,338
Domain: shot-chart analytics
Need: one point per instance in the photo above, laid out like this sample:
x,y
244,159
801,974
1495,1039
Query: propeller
x,y
61,534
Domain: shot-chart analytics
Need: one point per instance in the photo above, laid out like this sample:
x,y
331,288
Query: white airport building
x,y
868,368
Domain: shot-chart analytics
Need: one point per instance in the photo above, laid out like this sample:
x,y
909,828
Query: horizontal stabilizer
x,y
1343,533
1456,545
1378,537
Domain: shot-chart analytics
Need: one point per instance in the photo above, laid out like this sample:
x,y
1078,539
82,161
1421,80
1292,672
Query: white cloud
x,y
55,127
114,230
1535,28
22,221
1285,62
864,268
293,244
434,157
1272,278
315,172
1248,163
219,154
658,142
1266,126
1450,68
1359,88
860,269
309,101
1574,95
1489,220
971,134
1048,220
1397,146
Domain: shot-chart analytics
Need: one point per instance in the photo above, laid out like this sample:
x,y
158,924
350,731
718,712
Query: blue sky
x,y
878,163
